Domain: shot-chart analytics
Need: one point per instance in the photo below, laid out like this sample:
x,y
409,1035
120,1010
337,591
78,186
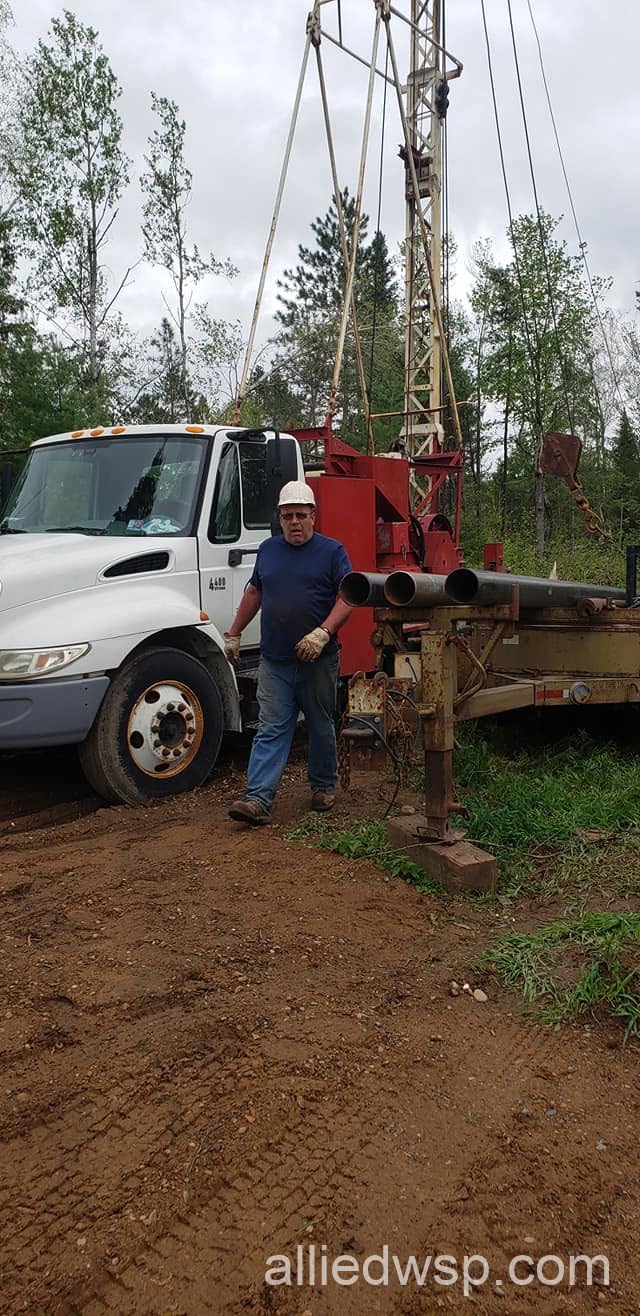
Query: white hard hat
x,y
296,491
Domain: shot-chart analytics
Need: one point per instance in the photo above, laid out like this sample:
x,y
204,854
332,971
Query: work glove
x,y
310,646
232,647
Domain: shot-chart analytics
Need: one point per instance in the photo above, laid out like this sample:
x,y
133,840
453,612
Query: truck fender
x,y
206,642
209,643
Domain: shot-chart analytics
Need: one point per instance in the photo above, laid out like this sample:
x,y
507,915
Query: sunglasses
x,y
296,516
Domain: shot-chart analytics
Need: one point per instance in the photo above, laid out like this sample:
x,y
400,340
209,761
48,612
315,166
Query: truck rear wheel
x,y
158,731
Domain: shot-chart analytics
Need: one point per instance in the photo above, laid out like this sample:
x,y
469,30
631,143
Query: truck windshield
x,y
145,485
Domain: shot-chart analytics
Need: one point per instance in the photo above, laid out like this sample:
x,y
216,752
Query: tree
x,y
538,359
160,396
217,350
269,399
37,377
382,342
465,345
167,185
497,311
11,304
69,175
311,299
11,307
43,392
630,370
41,382
9,82
625,455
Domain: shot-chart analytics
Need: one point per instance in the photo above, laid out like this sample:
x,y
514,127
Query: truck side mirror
x,y
282,466
282,460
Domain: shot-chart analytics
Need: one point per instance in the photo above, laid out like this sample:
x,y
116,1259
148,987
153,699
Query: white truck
x,y
124,552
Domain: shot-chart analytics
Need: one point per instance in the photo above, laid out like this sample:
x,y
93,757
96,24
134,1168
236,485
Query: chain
x,y
593,522
344,761
400,740
559,455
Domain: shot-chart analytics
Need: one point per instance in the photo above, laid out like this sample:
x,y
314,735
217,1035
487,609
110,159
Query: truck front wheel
x,y
158,731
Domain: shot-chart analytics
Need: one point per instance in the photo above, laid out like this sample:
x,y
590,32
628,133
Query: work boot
x,y
322,801
250,811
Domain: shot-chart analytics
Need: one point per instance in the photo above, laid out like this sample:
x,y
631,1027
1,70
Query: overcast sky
x,y
233,65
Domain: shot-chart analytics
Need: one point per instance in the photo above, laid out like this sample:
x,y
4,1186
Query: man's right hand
x,y
232,648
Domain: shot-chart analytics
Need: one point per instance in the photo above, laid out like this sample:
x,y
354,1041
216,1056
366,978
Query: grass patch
x,y
562,816
365,840
579,559
555,813
567,968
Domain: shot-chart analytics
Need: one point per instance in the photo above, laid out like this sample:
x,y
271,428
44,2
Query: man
x,y
295,583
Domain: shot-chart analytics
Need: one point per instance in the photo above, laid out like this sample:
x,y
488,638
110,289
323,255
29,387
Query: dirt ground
x,y
217,1046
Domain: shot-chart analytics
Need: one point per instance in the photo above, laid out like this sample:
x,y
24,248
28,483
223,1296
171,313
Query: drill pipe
x,y
363,589
492,587
409,588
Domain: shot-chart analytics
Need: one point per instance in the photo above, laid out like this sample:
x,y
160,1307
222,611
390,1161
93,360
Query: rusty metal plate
x,y
369,759
366,695
559,455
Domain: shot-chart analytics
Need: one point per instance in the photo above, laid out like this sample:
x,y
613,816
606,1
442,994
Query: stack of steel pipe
x,y
417,589
398,588
414,589
364,589
495,587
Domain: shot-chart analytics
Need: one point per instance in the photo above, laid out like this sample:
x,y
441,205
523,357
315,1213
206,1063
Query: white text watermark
x,y
312,1265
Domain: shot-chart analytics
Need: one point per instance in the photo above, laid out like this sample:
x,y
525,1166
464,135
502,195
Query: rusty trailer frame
x,y
469,661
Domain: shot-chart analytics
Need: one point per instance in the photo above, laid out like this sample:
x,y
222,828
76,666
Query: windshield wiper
x,y
73,530
6,529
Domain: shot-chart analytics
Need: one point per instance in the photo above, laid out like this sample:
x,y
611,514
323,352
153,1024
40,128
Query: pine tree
x,y
311,299
161,398
625,456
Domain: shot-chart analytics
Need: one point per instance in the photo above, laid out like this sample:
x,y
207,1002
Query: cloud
x,y
233,70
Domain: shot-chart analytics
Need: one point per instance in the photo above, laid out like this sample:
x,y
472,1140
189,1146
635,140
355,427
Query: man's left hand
x,y
310,646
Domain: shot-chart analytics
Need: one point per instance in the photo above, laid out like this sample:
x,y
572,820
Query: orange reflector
x,y
96,433
118,429
194,429
77,434
204,616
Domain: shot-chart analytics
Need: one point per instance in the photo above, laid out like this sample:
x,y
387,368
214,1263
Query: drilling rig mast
x,y
422,104
422,428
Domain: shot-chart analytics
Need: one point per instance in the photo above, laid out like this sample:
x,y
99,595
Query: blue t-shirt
x,y
299,584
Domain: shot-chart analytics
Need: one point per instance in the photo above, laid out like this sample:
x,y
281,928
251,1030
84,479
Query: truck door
x,y
239,519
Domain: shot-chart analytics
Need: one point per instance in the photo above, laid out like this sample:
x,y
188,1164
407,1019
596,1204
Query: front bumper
x,y
36,714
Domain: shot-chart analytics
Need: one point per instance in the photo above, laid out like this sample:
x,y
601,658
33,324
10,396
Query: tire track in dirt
x,y
214,1046
324,1163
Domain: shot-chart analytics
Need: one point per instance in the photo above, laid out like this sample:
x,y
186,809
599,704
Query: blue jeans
x,y
285,690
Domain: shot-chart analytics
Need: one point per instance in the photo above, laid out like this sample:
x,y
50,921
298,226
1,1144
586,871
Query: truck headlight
x,y
38,662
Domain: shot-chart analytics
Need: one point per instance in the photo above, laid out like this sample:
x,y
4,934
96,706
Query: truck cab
x,y
124,552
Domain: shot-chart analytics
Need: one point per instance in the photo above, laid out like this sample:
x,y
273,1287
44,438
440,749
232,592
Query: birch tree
x,y
167,184
537,360
69,175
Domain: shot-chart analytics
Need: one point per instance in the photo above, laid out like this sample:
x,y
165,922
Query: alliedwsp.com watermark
x,y
311,1265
